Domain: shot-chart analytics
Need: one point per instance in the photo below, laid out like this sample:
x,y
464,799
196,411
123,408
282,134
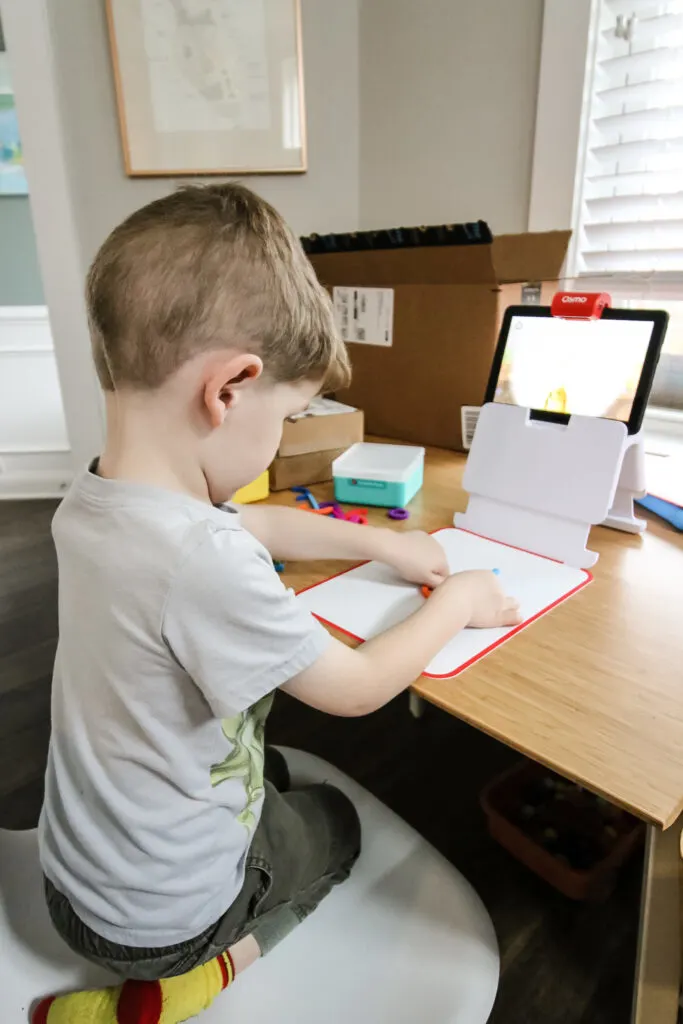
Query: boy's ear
x,y
226,380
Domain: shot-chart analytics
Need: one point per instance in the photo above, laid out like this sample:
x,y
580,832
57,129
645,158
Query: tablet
x,y
558,367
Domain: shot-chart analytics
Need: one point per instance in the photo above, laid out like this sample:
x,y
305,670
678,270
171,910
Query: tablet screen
x,y
587,368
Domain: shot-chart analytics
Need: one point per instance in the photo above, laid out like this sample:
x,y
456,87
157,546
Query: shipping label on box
x,y
365,315
531,293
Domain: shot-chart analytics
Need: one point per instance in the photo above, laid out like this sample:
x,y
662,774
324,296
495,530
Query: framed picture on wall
x,y
209,86
12,177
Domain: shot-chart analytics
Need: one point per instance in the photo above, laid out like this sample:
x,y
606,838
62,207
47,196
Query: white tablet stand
x,y
541,486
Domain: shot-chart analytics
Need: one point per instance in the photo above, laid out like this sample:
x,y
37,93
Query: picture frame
x,y
12,175
209,87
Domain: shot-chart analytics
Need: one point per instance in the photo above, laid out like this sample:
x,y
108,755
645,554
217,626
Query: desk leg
x,y
416,704
658,960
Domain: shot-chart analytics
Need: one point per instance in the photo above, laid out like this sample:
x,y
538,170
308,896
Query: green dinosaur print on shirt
x,y
245,760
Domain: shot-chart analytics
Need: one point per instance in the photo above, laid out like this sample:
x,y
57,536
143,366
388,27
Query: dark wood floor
x,y
562,963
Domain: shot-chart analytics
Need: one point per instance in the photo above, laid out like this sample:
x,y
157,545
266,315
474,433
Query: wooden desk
x,y
594,690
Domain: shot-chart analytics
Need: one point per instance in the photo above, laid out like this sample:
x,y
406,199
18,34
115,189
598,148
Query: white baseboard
x,y
35,460
32,487
40,474
663,430
25,329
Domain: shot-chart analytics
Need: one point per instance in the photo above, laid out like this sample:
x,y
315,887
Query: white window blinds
x,y
630,188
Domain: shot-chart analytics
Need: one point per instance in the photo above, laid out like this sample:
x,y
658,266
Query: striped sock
x,y
168,1001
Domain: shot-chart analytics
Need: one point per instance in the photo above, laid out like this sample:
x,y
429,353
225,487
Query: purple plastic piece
x,y
398,513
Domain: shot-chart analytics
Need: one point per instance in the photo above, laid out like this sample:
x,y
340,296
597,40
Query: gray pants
x,y
306,843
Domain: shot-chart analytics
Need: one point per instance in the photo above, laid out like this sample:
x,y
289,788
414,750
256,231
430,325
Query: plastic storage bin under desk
x,y
378,474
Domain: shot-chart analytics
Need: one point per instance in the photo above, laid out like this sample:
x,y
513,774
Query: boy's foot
x,y
169,1001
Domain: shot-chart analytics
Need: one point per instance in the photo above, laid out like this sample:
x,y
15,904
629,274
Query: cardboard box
x,y
448,305
302,470
329,425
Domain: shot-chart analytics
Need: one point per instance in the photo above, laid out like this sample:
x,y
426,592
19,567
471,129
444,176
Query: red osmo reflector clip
x,y
580,305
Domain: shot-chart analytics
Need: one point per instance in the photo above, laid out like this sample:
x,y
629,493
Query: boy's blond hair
x,y
207,268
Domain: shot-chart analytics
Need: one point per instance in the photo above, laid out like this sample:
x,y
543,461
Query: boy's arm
x,y
355,682
293,534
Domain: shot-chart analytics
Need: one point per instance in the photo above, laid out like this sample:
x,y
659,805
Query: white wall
x,y
448,105
418,111
54,206
35,459
63,81
326,198
561,87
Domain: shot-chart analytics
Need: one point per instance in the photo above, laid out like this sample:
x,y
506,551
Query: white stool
x,y
406,939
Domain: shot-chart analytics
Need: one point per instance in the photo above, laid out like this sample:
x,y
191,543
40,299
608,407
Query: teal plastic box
x,y
378,474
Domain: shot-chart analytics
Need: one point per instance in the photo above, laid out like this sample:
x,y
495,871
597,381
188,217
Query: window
x,y
630,209
667,389
608,159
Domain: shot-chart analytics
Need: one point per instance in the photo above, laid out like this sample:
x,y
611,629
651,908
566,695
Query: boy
x,y
163,860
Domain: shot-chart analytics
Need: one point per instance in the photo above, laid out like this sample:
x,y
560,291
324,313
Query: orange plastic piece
x,y
426,591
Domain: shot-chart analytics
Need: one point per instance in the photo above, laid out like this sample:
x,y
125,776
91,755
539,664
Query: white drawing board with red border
x,y
370,598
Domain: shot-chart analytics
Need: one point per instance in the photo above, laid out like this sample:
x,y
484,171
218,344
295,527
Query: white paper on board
x,y
365,316
370,598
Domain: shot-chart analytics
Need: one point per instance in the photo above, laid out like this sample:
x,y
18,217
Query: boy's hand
x,y
480,593
417,557
347,682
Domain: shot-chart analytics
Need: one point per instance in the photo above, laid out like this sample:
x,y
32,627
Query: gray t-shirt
x,y
174,631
